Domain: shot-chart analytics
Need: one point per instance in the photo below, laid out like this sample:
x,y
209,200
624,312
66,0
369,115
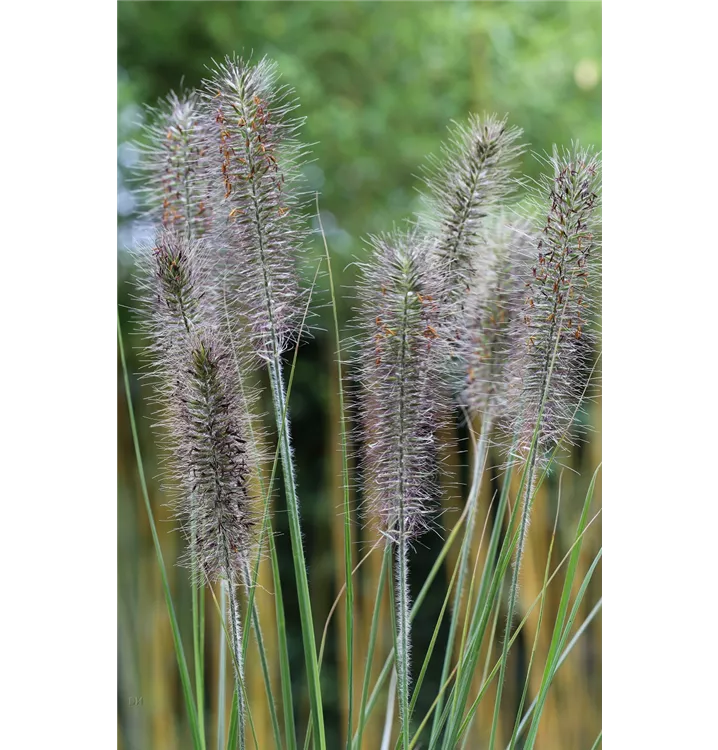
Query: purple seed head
x,y
253,160
471,179
490,312
554,324
202,405
174,190
403,355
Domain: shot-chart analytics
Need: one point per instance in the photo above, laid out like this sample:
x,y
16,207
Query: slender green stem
x,y
251,577
198,632
254,611
513,595
480,452
472,709
300,570
514,734
402,592
372,644
403,633
436,567
222,679
238,659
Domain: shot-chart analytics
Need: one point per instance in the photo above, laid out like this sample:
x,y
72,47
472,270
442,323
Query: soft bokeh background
x,y
378,83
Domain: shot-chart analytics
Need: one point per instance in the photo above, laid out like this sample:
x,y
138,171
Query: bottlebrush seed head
x,y
202,407
490,313
553,328
175,191
253,164
470,179
174,283
403,355
214,460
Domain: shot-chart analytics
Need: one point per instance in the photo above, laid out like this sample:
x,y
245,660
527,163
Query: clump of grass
x,y
477,302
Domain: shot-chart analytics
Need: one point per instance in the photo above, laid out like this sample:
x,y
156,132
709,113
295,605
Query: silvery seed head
x,y
202,405
253,159
174,189
403,355
469,181
553,328
490,312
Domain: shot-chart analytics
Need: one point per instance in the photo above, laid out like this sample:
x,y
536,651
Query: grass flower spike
x,y
471,179
253,160
490,313
175,193
203,416
553,328
477,318
253,165
404,398
552,332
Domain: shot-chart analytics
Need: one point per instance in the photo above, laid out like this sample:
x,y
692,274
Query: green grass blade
x,y
389,717
349,602
489,589
250,578
546,684
561,615
436,567
233,723
472,504
300,568
519,710
538,598
372,645
579,632
597,743
176,637
236,730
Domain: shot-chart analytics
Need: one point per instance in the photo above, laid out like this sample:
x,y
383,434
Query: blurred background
x,y
378,84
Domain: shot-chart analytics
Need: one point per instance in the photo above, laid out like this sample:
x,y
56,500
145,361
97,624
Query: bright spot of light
x,y
586,73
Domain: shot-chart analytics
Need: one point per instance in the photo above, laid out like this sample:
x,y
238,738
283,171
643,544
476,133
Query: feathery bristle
x,y
174,283
472,178
174,190
253,160
215,458
490,310
403,376
203,407
553,328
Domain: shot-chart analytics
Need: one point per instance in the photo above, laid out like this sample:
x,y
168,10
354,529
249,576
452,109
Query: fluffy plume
x,y
203,408
252,161
491,308
174,190
470,179
403,355
553,328
215,458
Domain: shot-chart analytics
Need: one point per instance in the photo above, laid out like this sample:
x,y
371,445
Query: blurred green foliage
x,y
378,83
